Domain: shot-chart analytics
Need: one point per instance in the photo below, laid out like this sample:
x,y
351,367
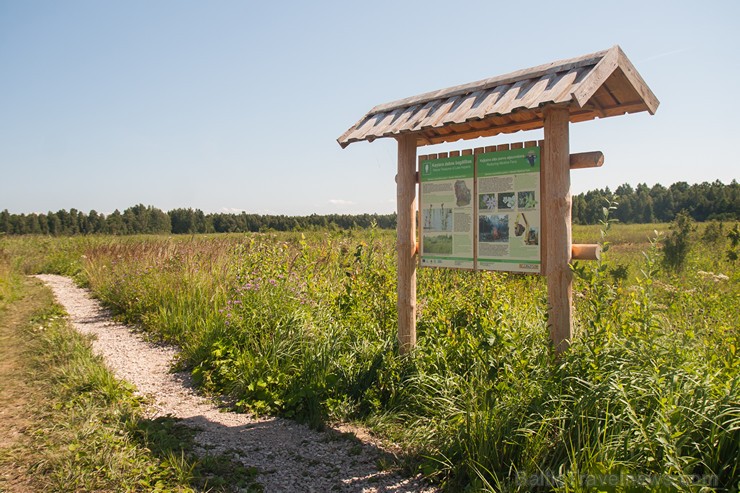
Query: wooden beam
x,y
583,160
589,251
406,242
475,133
556,205
429,136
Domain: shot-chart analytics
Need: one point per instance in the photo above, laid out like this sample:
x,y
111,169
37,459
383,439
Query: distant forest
x,y
703,202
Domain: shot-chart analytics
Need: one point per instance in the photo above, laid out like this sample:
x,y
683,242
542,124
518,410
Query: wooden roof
x,y
592,86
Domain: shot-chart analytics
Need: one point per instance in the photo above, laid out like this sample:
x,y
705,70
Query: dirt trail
x,y
289,456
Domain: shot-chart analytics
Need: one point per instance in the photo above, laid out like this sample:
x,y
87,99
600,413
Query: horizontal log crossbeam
x,y
588,251
583,160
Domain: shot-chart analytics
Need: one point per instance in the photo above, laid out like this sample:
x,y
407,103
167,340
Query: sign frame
x,y
513,164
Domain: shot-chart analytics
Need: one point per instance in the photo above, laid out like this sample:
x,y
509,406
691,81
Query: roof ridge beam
x,y
510,78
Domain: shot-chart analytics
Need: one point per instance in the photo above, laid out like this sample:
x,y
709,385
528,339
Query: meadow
x,y
303,325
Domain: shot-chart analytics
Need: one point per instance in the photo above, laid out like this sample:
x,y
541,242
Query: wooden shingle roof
x,y
592,86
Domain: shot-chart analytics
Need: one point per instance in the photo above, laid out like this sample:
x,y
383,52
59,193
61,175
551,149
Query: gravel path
x,y
290,457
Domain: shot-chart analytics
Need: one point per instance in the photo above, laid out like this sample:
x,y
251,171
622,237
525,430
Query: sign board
x,y
482,211
508,210
447,212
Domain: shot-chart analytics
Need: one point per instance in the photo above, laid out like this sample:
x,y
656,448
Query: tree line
x,y
702,202
141,219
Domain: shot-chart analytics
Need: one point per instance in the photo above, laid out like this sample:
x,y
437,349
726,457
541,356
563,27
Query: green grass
x,y
304,326
619,234
84,430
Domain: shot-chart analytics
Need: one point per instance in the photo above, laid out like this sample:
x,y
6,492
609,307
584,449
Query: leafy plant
x,y
677,244
734,236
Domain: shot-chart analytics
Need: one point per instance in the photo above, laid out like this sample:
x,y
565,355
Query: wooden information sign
x,y
498,228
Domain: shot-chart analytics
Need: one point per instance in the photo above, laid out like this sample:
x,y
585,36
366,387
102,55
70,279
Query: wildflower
x,y
714,277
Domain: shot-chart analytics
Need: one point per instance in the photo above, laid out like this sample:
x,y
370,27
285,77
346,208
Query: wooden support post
x,y
406,242
557,218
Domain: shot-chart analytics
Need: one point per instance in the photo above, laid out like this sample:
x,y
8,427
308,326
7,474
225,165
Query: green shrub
x,y
734,236
677,244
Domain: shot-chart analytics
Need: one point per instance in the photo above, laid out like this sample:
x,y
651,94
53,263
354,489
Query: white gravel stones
x,y
290,457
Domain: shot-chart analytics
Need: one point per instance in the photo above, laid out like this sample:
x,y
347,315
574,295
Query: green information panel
x,y
447,212
508,210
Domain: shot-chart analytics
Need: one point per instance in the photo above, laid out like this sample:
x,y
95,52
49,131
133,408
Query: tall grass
x,y
647,397
85,430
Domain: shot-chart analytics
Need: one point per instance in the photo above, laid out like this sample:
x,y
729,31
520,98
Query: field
x,y
304,326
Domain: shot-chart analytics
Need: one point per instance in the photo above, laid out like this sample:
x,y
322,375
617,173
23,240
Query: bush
x,y
734,237
677,244
714,232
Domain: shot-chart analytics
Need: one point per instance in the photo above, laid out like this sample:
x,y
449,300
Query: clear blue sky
x,y
230,106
